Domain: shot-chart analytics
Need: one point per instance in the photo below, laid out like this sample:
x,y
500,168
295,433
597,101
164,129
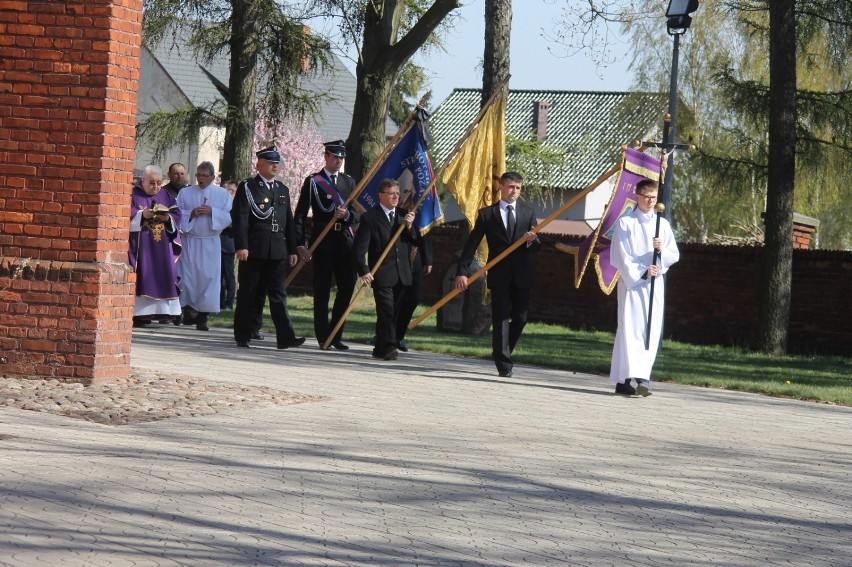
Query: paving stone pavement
x,y
429,460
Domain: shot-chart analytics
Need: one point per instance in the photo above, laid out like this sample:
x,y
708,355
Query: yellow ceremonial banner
x,y
473,176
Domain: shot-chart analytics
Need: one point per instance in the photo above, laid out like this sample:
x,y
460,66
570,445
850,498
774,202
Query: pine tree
x,y
257,35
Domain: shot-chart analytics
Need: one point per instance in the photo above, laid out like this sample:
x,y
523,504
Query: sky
x,y
534,62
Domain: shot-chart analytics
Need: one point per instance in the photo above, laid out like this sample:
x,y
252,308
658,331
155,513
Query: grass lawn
x,y
817,378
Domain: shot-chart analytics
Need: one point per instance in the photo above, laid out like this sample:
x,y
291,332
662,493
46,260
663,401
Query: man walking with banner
x,y
404,162
510,281
595,249
324,193
634,253
375,234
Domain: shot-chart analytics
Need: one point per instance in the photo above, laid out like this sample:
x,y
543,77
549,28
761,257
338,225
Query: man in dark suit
x,y
324,193
421,266
265,240
378,226
510,281
177,179
229,280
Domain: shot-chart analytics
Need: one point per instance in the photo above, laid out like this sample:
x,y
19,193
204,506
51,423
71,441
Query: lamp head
x,y
678,19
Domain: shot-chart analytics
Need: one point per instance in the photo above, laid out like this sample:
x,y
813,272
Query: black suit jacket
x,y
316,199
424,253
256,235
372,238
517,267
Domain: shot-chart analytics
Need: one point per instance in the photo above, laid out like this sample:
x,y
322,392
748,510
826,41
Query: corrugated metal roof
x,y
590,126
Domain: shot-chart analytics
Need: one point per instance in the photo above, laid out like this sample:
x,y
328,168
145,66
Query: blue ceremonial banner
x,y
409,164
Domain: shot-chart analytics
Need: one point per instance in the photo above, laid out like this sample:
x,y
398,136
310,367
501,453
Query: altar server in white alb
x,y
632,252
205,212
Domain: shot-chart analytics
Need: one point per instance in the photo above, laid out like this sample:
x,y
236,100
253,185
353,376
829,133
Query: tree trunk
x,y
242,87
367,137
778,247
495,68
382,57
498,29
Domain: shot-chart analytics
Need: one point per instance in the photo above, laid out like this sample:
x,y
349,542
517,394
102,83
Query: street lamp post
x,y
678,21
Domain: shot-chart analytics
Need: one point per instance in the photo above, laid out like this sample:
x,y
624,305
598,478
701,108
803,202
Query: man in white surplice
x,y
632,253
206,211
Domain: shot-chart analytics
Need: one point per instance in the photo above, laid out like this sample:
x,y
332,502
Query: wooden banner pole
x,y
450,157
403,130
515,245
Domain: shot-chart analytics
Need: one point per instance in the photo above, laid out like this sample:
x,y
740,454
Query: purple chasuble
x,y
154,251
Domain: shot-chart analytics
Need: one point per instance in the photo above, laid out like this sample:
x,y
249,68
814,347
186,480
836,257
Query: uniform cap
x,y
337,148
270,154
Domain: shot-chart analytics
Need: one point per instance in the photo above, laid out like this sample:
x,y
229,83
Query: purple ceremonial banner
x,y
635,166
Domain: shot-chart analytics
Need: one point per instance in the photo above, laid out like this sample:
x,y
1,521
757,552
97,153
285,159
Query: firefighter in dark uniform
x,y
325,192
265,242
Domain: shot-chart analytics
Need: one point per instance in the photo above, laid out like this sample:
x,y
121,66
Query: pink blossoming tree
x,y
300,146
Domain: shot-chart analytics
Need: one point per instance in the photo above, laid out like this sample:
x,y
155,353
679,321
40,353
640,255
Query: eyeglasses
x,y
647,197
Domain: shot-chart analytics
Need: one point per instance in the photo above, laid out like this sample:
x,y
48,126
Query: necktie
x,y
510,222
390,217
333,179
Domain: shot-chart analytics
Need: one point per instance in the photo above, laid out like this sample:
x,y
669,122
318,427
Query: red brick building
x,y
68,81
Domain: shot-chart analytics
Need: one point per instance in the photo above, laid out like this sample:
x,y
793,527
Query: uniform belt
x,y
338,226
267,227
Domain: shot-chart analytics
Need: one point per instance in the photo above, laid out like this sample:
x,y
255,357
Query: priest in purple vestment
x,y
154,249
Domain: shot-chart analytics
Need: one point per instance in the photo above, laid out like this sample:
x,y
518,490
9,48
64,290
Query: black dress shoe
x,y
643,389
392,354
243,344
402,346
292,343
338,344
625,389
257,336
201,327
190,316
505,373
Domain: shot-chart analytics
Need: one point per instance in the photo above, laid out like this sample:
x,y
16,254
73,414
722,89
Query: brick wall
x,y
68,82
711,294
802,235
